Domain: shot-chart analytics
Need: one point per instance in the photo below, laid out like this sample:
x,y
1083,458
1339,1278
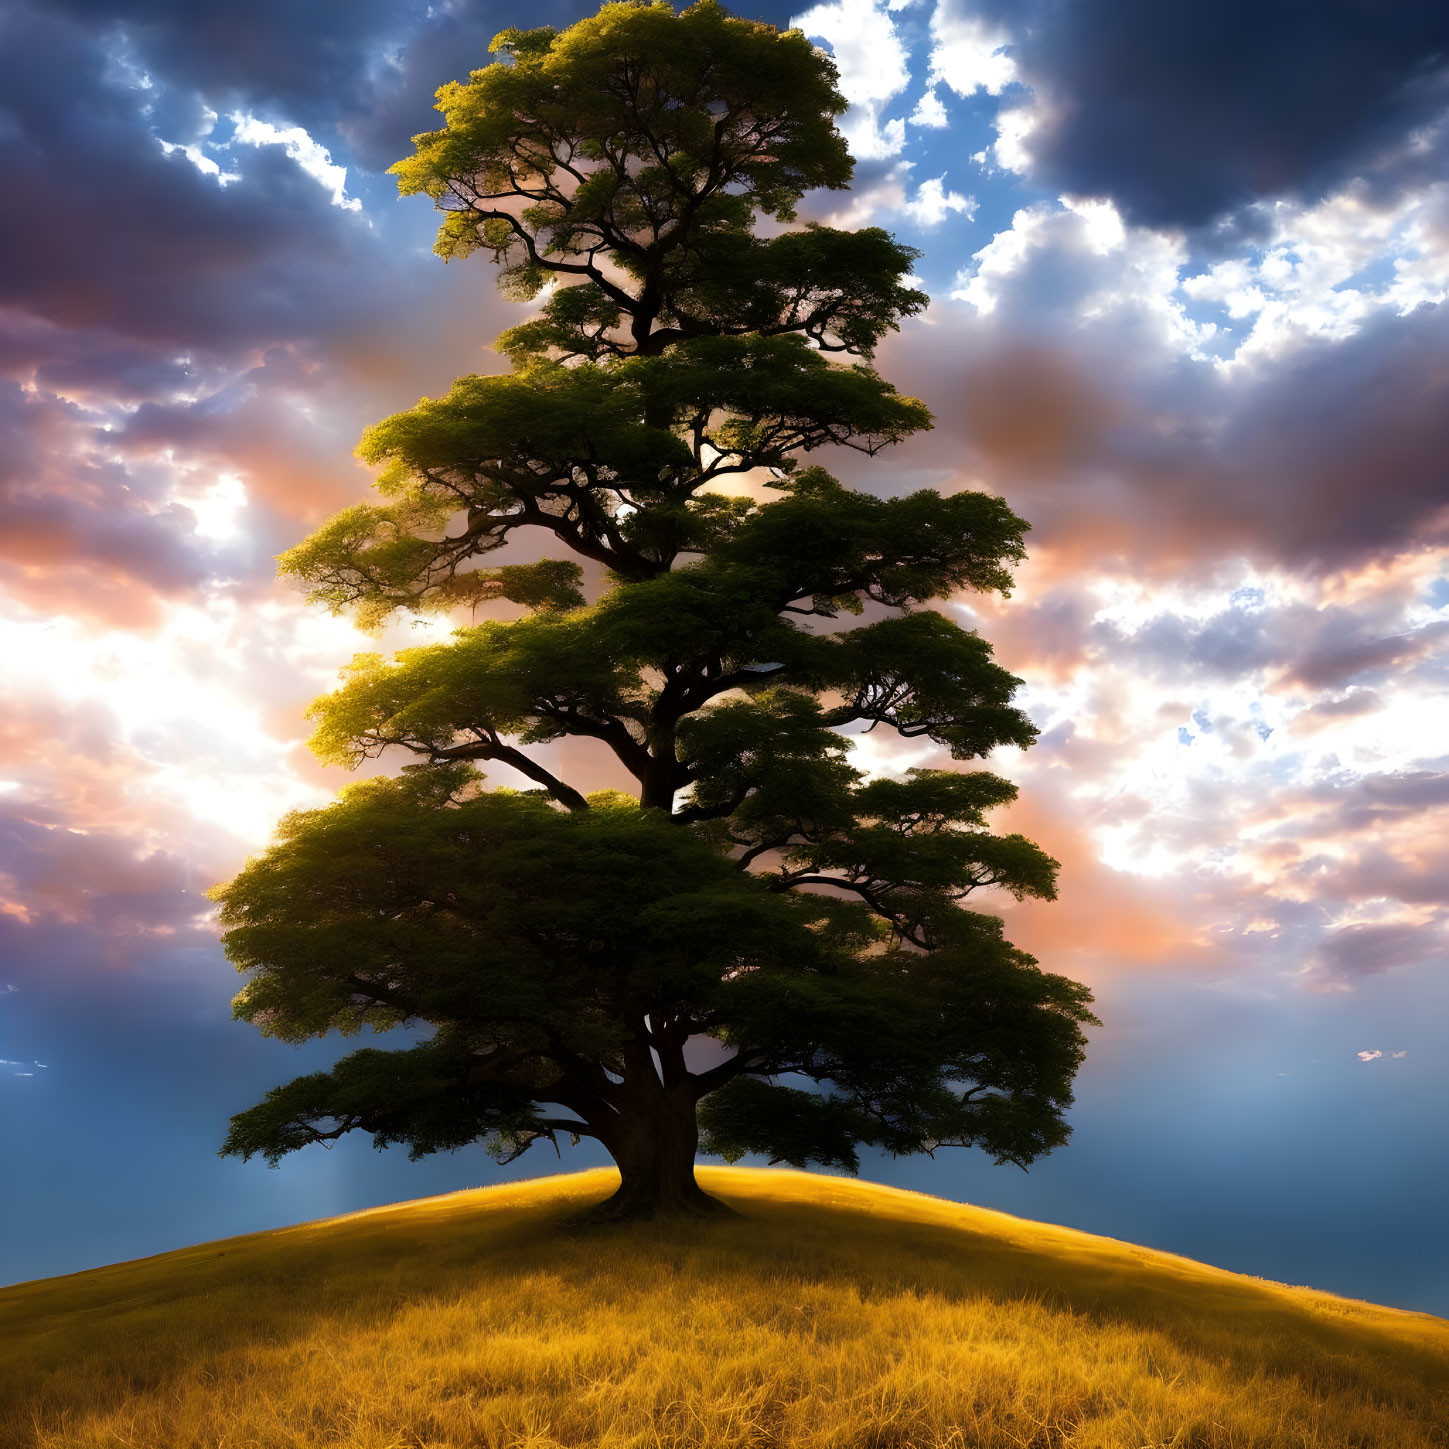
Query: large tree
x,y
652,969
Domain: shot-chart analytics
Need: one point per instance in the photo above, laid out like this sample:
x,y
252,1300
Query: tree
x,y
575,953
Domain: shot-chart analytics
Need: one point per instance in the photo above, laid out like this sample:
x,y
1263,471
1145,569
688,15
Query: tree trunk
x,y
655,1155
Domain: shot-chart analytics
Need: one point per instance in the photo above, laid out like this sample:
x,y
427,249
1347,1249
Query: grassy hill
x,y
828,1313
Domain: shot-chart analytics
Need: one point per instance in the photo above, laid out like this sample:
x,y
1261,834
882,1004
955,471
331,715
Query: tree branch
x,y
702,1083
495,749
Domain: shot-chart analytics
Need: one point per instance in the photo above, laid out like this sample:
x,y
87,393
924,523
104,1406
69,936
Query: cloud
x,y
874,70
969,53
57,874
183,261
218,338
1225,626
1072,375
86,845
1201,782
1318,272
78,530
309,154
932,203
930,112
1104,921
1183,113
303,62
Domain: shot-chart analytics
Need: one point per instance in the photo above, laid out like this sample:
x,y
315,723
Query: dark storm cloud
x,y
1183,112
108,234
450,45
367,70
106,230
302,59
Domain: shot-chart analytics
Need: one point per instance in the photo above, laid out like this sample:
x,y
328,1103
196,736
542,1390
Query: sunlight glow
x,y
219,509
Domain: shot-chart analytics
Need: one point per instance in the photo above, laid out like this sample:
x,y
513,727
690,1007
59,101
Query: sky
x,y
1189,271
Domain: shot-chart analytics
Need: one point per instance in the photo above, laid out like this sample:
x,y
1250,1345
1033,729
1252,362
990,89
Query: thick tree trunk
x,y
655,1155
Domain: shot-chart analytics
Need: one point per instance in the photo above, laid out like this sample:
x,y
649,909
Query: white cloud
x,y
874,70
930,112
932,202
1321,274
888,196
1232,284
1369,1056
968,53
1077,262
310,155
184,707
1014,126
1325,269
202,162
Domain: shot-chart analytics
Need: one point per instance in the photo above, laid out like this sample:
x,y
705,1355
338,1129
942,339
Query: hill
x,y
830,1312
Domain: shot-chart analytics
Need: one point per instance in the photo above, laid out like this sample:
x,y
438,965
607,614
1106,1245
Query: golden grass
x,y
830,1313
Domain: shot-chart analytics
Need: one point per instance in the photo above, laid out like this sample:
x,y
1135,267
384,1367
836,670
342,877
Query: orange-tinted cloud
x,y
1102,919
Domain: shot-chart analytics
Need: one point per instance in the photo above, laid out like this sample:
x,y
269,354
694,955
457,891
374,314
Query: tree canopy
x,y
757,916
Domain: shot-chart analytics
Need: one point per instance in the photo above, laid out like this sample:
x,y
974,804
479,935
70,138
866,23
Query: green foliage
x,y
923,675
631,131
420,1097
783,1123
966,1045
842,290
424,897
615,460
558,954
892,551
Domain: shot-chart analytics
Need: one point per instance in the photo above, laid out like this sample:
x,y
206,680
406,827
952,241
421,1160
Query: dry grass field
x,y
829,1313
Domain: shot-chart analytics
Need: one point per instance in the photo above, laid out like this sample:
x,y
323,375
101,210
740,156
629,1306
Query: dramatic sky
x,y
1189,267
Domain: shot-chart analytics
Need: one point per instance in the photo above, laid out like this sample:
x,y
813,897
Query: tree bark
x,y
654,1151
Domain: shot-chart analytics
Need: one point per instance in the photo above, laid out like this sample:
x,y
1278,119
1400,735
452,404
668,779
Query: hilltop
x,y
830,1312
